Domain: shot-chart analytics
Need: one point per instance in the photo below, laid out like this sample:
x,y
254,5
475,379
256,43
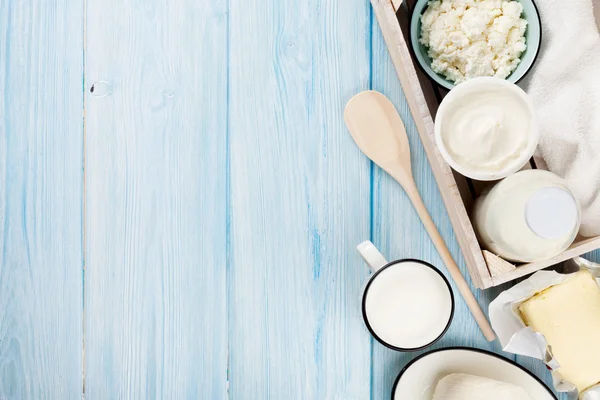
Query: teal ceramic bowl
x,y
533,40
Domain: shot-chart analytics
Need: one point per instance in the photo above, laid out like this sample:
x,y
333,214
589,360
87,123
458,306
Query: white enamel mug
x,y
407,304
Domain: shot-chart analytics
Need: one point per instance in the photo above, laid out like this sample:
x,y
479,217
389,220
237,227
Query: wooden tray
x,y
458,192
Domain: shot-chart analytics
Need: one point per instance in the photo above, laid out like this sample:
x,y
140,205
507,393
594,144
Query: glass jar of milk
x,y
528,216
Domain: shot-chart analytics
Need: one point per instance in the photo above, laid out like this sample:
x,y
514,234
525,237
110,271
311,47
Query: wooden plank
x,y
300,201
408,75
398,232
581,246
156,199
41,182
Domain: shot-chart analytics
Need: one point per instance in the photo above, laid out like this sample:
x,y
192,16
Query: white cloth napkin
x,y
565,87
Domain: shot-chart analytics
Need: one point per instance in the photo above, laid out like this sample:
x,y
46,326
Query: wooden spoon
x,y
378,130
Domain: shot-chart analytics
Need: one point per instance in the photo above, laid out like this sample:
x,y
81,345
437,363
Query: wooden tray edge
x,y
576,250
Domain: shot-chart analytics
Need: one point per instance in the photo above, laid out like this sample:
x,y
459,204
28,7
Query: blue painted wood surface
x,y
156,199
41,203
300,193
181,202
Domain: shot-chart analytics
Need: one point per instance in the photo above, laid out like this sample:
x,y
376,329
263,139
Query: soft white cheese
x,y
568,315
471,387
471,38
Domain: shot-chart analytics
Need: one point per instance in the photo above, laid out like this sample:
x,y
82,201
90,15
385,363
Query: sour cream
x,y
486,128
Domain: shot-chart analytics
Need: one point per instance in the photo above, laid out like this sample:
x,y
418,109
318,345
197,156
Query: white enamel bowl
x,y
418,379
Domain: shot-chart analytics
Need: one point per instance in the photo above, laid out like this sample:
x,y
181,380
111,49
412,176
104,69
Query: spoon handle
x,y
413,193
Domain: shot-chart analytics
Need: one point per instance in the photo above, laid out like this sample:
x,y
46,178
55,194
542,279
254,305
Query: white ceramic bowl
x,y
474,86
418,379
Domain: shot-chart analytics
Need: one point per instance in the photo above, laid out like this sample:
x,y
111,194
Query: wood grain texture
x,y
41,182
300,201
398,232
222,203
156,200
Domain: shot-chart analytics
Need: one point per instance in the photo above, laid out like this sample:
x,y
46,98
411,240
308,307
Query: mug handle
x,y
374,259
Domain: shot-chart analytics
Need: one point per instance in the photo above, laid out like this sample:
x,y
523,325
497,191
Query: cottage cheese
x,y
471,38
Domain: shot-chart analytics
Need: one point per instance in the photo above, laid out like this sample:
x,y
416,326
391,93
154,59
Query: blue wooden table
x,y
180,202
